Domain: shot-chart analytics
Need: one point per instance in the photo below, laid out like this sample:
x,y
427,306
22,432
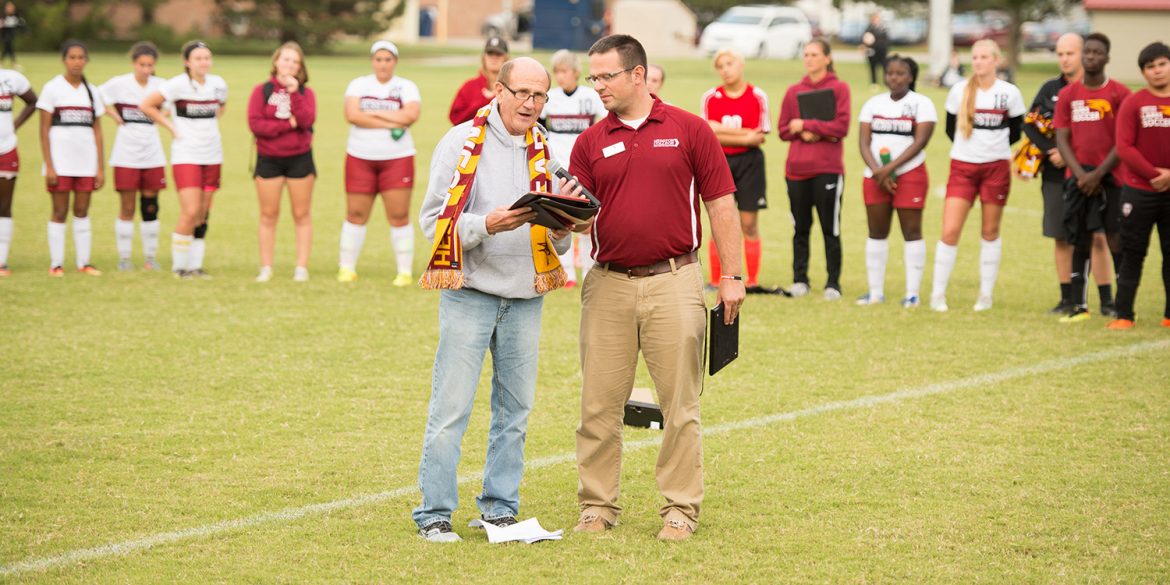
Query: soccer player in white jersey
x,y
895,128
12,85
571,108
137,155
71,144
197,98
379,160
984,117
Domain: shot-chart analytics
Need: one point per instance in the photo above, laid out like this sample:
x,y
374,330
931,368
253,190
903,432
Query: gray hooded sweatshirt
x,y
501,263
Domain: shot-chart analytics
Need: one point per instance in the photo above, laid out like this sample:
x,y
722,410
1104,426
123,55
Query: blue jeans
x,y
471,322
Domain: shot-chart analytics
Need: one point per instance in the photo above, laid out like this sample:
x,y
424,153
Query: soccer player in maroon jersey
x,y
1143,143
1086,111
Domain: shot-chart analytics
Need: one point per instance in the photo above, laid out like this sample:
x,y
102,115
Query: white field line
x,y
940,192
290,514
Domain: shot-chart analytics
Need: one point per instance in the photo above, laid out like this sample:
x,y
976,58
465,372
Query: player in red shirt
x,y
476,92
738,113
1086,111
1143,143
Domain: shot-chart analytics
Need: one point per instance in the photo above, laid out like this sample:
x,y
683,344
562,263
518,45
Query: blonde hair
x,y
966,122
721,53
565,58
302,73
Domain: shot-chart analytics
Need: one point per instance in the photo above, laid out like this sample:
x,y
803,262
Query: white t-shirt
x,y
567,116
71,141
137,144
892,125
196,109
993,109
12,86
379,143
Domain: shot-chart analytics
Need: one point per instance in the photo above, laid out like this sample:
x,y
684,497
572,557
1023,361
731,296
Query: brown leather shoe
x,y
675,530
591,523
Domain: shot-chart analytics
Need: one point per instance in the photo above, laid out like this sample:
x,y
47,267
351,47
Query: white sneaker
x,y
265,274
439,531
832,294
938,303
982,303
799,289
870,299
301,274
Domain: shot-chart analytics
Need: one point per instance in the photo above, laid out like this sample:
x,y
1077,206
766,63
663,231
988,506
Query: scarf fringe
x,y
441,278
547,282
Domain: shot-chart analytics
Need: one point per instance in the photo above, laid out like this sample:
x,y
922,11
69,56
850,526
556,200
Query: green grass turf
x,y
134,404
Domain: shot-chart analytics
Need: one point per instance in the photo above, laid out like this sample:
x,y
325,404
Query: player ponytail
x,y
966,115
75,44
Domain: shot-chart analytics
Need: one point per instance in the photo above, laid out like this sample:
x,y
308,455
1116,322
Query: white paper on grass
x,y
528,532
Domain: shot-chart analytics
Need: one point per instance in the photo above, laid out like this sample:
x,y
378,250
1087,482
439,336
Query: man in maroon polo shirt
x,y
650,165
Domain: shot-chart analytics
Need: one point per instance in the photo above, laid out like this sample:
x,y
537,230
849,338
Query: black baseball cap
x,y
496,45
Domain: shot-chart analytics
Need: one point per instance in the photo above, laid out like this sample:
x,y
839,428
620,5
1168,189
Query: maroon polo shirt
x,y
649,182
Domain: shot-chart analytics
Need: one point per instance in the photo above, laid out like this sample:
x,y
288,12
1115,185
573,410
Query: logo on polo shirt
x,y
666,143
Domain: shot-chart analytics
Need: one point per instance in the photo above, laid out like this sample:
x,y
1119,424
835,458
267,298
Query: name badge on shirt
x,y
613,149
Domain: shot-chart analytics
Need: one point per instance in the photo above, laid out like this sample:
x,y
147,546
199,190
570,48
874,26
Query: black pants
x,y
1145,210
877,59
824,193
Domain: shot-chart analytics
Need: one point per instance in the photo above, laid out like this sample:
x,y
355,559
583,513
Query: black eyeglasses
x,y
525,95
607,77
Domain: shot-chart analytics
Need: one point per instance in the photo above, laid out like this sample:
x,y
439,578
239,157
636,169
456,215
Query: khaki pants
x,y
664,316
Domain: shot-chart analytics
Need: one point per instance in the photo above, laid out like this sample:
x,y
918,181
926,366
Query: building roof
x,y
1127,5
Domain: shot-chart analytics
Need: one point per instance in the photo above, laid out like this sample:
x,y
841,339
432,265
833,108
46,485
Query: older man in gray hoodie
x,y
494,268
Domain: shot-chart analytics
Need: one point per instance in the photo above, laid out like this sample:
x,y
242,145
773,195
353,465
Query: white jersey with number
x,y
71,140
566,116
892,125
12,86
381,143
993,109
196,109
137,144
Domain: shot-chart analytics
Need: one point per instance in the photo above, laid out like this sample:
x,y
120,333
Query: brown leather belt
x,y
662,267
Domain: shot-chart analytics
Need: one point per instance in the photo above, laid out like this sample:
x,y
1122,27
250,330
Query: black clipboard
x,y
557,211
723,345
818,104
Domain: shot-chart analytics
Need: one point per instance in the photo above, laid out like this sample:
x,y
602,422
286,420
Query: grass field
x,y
154,430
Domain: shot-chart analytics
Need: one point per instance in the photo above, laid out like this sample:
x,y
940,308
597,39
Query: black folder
x,y
557,211
819,104
723,345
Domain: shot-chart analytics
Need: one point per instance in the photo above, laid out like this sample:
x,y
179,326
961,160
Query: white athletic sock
x,y
124,238
944,263
402,240
567,258
180,252
915,258
353,237
198,247
82,239
5,239
150,231
876,254
56,244
989,255
584,252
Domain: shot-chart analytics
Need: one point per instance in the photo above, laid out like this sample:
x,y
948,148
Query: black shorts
x,y
291,167
1053,192
751,183
1106,218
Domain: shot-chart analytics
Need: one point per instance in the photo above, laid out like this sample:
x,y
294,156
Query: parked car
x,y
969,27
759,31
908,31
509,24
1044,34
852,31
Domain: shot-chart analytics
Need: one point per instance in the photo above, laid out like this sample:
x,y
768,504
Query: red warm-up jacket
x,y
825,156
270,121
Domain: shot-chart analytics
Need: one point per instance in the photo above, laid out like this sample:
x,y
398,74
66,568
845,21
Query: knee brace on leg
x,y
148,207
201,230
